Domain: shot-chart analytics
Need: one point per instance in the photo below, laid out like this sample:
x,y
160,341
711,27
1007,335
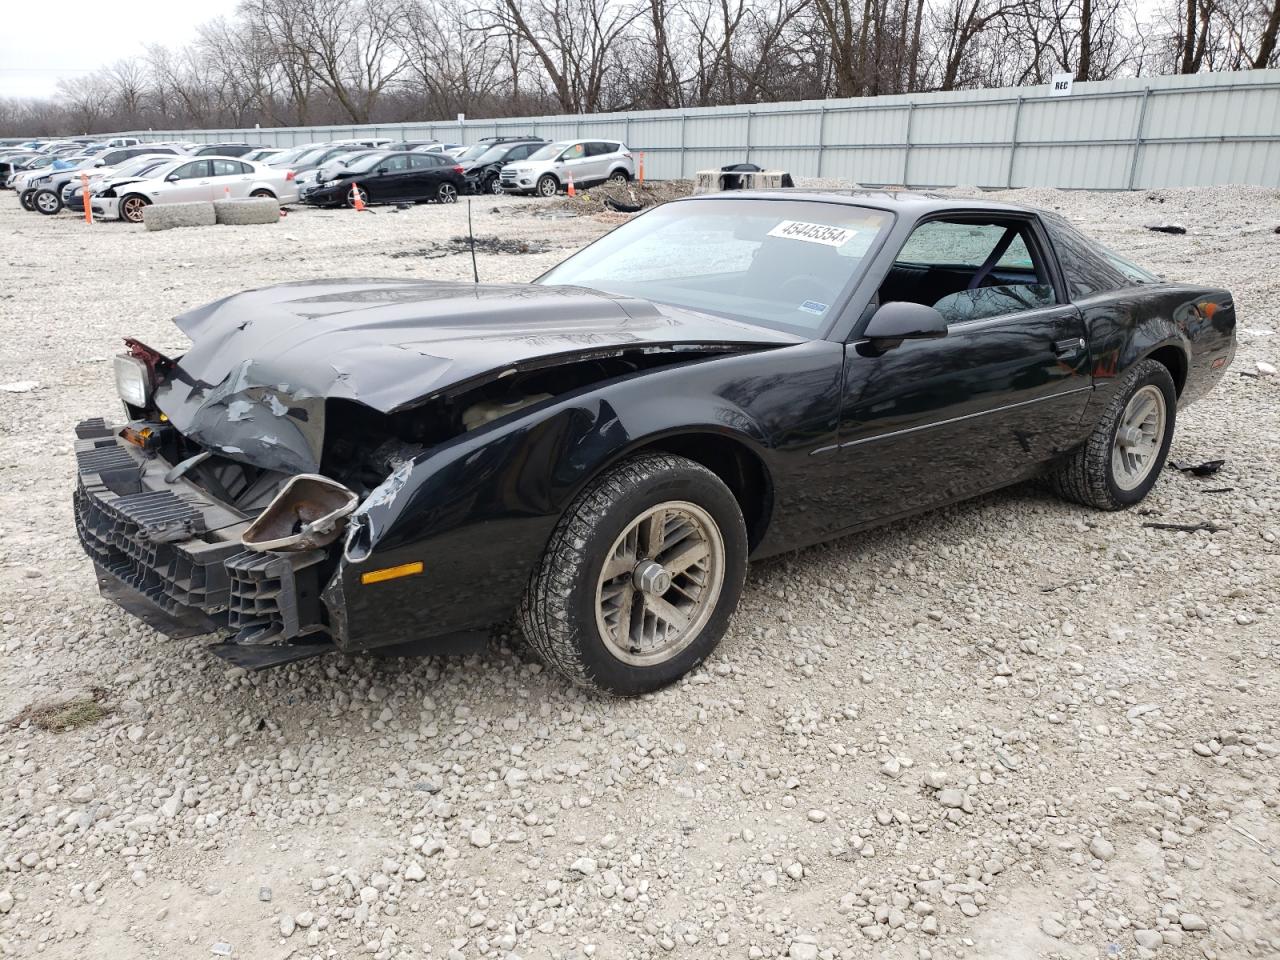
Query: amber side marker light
x,y
392,573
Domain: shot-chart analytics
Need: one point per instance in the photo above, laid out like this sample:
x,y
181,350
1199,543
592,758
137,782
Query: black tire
x,y
558,615
25,198
131,207
619,177
1088,476
447,192
494,185
351,195
47,202
262,193
548,186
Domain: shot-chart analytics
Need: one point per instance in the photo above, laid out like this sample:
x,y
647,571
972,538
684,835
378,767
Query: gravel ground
x,y
1012,728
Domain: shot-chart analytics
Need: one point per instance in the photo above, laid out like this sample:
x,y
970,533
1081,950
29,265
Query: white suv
x,y
547,171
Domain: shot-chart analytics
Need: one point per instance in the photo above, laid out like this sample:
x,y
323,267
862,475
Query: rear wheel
x,y
446,193
639,578
618,177
47,202
263,193
1122,459
131,207
548,186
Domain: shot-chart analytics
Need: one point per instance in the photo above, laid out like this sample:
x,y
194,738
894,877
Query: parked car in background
x,y
483,173
188,179
287,157
262,154
439,148
135,168
11,161
123,142
23,181
120,154
411,144
46,189
391,177
547,171
223,150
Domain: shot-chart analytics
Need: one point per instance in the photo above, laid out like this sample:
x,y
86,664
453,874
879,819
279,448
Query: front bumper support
x,y
171,555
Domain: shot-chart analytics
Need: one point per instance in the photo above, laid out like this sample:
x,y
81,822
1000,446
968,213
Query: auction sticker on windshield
x,y
813,232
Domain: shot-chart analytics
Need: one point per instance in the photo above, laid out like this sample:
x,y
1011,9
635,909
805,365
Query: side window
x,y
395,164
423,161
1083,267
576,152
971,270
228,168
114,157
192,171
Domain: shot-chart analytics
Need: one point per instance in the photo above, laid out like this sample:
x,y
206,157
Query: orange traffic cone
x,y
571,190
84,196
357,199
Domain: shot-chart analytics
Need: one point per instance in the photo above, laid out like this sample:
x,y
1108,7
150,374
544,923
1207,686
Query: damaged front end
x,y
284,481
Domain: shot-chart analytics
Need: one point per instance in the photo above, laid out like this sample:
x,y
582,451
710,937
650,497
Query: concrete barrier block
x,y
252,210
166,216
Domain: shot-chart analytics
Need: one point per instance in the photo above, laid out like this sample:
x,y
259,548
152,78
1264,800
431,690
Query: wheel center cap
x,y
651,578
1129,436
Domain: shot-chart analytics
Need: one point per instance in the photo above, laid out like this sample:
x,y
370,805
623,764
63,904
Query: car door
x,y
189,182
930,421
428,170
600,153
391,179
231,179
574,160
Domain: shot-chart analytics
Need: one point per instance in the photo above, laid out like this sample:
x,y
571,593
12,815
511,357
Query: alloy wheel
x,y
1139,436
495,186
660,583
447,193
132,209
46,202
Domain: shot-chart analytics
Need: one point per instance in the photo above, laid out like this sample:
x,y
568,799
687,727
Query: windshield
x,y
364,163
492,154
474,151
549,151
783,264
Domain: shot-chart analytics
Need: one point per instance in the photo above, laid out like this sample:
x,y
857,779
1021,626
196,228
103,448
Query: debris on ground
x,y
19,386
1206,469
1175,228
1207,525
456,245
628,198
60,714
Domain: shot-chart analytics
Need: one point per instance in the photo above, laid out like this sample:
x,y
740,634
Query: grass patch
x,y
60,714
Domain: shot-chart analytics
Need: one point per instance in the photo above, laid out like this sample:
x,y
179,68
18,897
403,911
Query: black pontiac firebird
x,y
393,466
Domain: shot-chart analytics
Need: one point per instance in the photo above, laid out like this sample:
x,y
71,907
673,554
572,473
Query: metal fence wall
x,y
1140,133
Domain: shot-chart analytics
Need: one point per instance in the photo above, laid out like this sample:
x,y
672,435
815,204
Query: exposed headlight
x,y
133,380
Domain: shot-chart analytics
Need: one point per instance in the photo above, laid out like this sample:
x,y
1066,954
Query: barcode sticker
x,y
813,233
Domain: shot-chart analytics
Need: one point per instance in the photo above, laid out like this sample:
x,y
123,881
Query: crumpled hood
x,y
262,363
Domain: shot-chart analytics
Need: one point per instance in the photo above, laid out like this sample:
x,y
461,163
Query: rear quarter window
x,y
1084,266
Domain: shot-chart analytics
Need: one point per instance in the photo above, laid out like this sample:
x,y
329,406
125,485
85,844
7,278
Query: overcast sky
x,y
89,35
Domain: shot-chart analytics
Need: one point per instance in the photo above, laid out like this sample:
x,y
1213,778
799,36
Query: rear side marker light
x,y
391,573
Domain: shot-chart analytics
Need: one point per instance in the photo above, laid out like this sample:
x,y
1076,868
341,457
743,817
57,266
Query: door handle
x,y
1070,345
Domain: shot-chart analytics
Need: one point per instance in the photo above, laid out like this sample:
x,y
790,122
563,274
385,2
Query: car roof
x,y
907,202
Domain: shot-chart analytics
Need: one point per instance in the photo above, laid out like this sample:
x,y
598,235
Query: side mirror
x,y
382,170
171,178
901,320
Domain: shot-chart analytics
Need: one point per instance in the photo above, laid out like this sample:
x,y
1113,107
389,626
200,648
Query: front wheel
x,y
131,207
355,193
47,202
26,198
639,578
446,193
1122,459
548,186
494,186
